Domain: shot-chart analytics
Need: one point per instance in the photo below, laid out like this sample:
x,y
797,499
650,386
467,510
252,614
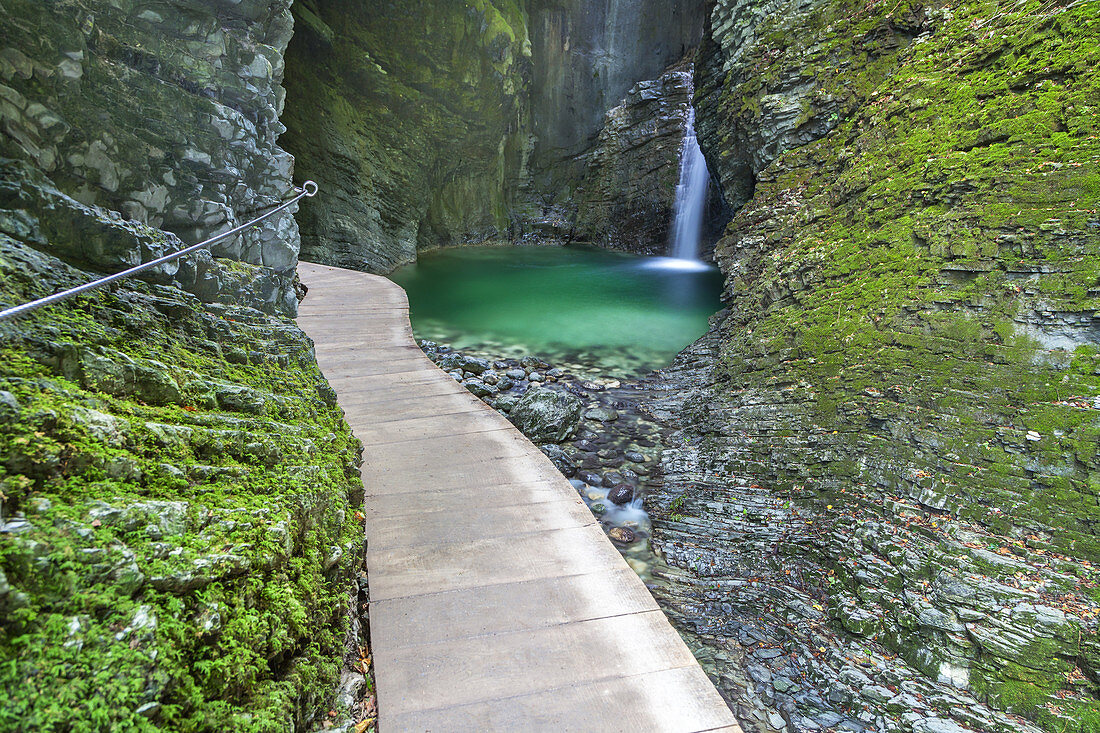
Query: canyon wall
x,y
168,116
434,124
587,55
177,486
414,117
883,513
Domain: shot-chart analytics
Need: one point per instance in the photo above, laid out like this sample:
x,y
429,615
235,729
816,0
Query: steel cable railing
x,y
308,189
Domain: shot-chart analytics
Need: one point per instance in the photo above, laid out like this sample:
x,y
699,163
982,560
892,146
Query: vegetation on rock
x,y
178,501
910,343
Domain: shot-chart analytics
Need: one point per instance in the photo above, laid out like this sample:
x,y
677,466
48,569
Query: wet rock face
x,y
432,124
34,211
413,117
888,438
165,112
628,186
587,54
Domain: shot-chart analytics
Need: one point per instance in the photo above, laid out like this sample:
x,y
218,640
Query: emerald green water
x,y
612,313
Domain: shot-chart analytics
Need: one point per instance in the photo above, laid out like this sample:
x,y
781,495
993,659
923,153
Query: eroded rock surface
x,y
165,112
627,190
414,118
883,511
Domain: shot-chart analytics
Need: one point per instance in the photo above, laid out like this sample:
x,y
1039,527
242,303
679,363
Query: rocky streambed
x,y
786,645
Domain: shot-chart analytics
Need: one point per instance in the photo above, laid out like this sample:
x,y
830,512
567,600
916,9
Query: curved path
x,y
497,603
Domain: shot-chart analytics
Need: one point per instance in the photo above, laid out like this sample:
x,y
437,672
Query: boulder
x,y
621,494
547,416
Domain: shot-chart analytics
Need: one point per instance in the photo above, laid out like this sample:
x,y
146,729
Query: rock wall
x,y
178,532
414,118
587,54
165,112
432,124
883,513
626,193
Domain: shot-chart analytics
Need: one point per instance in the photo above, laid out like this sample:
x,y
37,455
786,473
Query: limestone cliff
x,y
625,196
885,507
432,124
587,55
166,113
177,487
414,118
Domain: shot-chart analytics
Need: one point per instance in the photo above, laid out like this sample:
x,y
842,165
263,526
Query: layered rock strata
x,y
885,498
178,490
587,54
627,190
165,112
414,118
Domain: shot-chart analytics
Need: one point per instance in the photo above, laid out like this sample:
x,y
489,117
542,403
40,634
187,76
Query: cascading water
x,y
691,195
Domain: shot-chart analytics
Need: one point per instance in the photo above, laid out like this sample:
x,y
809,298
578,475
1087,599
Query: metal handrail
x,y
309,188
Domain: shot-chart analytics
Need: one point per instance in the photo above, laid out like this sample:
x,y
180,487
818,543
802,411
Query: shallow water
x,y
619,314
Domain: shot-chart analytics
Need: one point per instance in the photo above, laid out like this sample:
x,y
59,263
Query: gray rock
x,y
504,402
621,494
101,426
602,414
938,725
456,360
560,458
351,689
592,479
767,653
479,388
149,710
547,416
239,398
784,684
9,406
876,693
15,525
621,535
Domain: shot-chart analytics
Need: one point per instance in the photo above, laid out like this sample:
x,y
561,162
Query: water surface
x,y
620,314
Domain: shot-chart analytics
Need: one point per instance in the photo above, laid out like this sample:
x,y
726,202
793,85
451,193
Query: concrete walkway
x,y
497,603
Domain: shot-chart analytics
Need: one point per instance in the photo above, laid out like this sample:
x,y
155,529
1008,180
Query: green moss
x,y
248,627
916,266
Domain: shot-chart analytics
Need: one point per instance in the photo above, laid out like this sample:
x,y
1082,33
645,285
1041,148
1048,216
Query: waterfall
x,y
691,195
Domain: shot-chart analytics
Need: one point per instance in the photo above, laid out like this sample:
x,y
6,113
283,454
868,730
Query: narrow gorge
x,y
842,418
